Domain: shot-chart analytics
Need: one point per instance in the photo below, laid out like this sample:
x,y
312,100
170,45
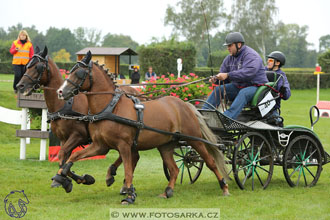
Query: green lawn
x,y
278,201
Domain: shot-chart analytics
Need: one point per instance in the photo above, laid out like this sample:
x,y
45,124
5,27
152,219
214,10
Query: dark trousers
x,y
19,71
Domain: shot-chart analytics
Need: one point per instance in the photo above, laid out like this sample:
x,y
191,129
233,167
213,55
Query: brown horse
x,y
168,114
72,133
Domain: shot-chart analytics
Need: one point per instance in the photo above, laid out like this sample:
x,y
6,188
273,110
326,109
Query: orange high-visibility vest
x,y
22,56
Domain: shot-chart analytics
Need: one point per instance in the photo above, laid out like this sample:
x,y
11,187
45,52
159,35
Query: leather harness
x,y
64,113
107,114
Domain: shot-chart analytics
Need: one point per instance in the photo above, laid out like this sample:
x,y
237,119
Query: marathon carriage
x,y
255,146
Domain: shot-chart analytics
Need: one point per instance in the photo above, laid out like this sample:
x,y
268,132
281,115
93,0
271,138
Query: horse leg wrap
x,y
131,196
85,179
66,168
64,181
169,192
222,183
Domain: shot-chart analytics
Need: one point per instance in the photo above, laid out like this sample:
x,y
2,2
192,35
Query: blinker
x,y
40,68
81,73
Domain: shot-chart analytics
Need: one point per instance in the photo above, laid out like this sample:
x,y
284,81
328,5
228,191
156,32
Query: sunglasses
x,y
270,60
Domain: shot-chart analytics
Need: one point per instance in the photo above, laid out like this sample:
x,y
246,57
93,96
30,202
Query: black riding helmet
x,y
234,37
278,56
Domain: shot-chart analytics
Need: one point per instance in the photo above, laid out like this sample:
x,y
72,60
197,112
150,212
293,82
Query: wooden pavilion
x,y
109,56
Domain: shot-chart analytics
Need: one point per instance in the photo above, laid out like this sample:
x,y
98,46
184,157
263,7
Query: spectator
x,y
135,77
150,74
22,50
121,76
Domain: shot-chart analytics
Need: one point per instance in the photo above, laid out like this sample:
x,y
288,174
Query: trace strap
x,y
106,114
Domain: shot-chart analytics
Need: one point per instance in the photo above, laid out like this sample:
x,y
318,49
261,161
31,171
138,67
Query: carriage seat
x,y
262,90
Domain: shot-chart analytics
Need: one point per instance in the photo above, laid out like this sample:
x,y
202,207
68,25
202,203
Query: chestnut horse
x,y
41,70
168,114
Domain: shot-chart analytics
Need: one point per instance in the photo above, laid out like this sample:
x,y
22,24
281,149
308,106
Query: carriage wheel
x,y
253,161
302,162
189,162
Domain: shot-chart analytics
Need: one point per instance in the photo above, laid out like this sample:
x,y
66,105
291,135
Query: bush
x,y
324,61
163,56
185,93
299,78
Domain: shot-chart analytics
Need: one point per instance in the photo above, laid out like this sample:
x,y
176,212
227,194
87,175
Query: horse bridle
x,y
81,74
40,67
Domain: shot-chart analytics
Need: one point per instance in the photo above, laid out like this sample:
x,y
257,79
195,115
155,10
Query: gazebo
x,y
109,56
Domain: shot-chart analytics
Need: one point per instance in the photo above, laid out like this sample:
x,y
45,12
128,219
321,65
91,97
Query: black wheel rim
x,y
189,162
302,162
253,162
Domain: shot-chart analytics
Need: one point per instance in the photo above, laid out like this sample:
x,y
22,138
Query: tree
x,y
87,37
291,40
119,40
57,39
61,56
5,55
255,20
190,22
324,43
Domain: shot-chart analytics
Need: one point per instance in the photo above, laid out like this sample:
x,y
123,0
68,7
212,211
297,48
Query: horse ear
x,y
88,57
44,52
37,50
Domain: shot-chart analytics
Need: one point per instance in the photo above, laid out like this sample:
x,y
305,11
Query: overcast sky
x,y
142,19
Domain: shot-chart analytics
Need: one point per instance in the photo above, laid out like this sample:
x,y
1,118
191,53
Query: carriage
x,y
254,147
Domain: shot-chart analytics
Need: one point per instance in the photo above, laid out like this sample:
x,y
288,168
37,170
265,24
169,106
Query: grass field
x,y
278,201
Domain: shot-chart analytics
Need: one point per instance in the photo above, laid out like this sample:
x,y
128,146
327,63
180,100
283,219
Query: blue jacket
x,y
244,69
283,81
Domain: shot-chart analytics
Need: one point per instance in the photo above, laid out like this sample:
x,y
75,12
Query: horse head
x,y
35,74
80,78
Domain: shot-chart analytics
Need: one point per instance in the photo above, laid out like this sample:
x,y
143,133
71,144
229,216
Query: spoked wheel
x,y
253,161
302,162
189,162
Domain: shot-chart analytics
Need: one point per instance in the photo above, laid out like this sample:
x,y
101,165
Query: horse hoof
x,y
110,181
169,192
68,187
89,180
163,195
55,184
123,190
226,193
64,181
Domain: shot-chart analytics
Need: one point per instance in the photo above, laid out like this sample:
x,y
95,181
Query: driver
x,y
275,61
244,69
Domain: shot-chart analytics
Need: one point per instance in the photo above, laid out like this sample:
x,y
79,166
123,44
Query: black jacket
x,y
135,77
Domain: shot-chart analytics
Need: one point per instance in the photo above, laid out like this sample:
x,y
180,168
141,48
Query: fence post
x,y
22,151
28,140
43,142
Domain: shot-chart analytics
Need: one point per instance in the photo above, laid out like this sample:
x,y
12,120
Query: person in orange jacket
x,y
22,49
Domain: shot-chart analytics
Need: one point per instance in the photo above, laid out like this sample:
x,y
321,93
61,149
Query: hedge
x,y
163,57
7,67
297,79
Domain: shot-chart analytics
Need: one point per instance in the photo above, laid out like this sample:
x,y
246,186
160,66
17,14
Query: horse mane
x,y
105,71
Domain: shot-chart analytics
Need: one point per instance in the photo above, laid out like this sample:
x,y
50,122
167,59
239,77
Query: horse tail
x,y
209,136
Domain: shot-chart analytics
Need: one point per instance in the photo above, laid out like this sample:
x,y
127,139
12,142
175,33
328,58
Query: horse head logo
x,y
15,204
